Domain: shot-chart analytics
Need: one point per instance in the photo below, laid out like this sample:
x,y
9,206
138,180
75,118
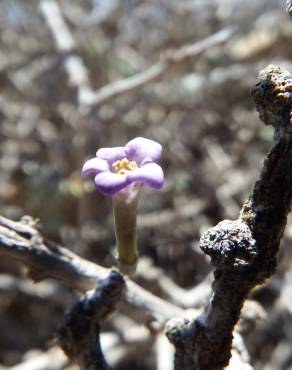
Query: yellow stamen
x,y
115,164
132,165
124,165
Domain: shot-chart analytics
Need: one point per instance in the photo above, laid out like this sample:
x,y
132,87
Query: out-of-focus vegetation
x,y
201,113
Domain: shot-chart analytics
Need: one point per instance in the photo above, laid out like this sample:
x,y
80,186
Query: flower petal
x,y
143,150
109,183
95,165
111,155
150,174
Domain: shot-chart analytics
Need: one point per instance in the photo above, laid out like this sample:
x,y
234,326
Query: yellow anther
x,y
116,163
132,165
123,165
124,162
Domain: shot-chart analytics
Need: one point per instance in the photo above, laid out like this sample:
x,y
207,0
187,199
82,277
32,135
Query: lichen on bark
x,y
244,251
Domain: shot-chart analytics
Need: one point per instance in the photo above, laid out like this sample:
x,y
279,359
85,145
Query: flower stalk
x,y
125,218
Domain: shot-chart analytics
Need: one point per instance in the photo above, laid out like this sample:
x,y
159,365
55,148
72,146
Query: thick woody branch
x,y
79,334
243,252
45,260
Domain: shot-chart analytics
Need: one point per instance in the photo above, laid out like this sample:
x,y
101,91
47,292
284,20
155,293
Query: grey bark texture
x,y
243,252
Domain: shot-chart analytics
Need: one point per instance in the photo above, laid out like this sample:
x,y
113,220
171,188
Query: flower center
x,y
123,165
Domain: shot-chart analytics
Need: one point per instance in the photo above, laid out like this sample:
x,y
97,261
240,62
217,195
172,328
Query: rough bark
x,y
243,252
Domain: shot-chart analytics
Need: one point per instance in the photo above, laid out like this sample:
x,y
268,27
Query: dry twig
x,y
22,241
159,69
78,74
74,66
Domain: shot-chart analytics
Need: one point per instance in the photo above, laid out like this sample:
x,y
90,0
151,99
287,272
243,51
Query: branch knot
x,y
273,97
230,245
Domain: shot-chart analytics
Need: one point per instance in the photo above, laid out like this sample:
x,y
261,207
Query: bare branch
x,y
169,216
187,298
164,353
53,359
79,334
149,276
78,75
157,70
243,251
74,66
22,241
45,260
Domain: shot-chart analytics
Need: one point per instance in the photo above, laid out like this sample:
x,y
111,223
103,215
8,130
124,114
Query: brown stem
x,y
79,334
243,251
46,260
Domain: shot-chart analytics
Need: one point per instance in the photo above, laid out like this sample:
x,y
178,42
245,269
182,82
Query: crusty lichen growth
x,y
243,252
269,204
230,244
273,97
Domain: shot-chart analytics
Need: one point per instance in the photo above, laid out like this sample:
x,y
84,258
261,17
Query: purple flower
x,y
124,167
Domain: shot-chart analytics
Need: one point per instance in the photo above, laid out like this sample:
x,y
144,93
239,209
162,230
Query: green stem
x,y
125,217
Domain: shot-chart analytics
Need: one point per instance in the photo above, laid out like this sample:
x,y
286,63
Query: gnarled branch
x,y
243,252
23,242
79,334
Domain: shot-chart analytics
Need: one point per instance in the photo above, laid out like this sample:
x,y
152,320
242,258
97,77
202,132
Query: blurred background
x,y
202,114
